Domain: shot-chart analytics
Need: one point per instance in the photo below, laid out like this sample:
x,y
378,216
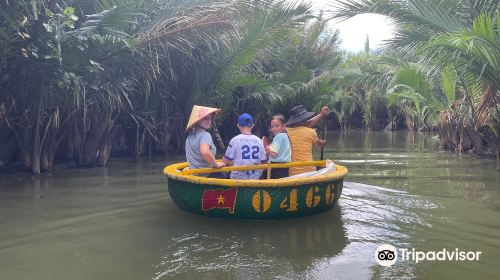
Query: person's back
x,y
302,140
245,149
194,158
302,137
200,149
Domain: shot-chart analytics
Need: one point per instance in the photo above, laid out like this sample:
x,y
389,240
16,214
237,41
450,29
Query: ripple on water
x,y
118,222
249,249
368,216
197,253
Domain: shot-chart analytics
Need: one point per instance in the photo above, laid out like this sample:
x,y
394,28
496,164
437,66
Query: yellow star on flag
x,y
220,199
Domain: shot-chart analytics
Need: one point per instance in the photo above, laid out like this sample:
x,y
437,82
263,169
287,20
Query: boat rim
x,y
174,171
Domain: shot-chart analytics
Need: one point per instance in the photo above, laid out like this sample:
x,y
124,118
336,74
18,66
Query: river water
x,y
119,222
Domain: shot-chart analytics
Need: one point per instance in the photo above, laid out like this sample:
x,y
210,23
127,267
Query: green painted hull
x,y
257,203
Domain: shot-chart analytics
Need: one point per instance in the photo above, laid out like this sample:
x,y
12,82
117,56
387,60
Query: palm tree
x,y
438,34
249,76
99,68
355,96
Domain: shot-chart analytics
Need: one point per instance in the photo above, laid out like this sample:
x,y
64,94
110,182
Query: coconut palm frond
x,y
191,30
264,31
467,10
409,78
449,84
475,51
9,35
480,44
425,14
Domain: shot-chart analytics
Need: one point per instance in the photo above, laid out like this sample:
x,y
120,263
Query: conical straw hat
x,y
198,113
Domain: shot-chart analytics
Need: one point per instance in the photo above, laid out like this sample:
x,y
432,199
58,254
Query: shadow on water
x,y
251,250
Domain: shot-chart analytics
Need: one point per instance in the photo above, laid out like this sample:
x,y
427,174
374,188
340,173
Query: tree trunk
x,y
476,142
410,124
108,137
37,141
91,142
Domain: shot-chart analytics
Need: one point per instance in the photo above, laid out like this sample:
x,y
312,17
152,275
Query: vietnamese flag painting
x,y
219,198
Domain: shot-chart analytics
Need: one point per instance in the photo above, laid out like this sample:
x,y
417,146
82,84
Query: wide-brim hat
x,y
299,114
198,113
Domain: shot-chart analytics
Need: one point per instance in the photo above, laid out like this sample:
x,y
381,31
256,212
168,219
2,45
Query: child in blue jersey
x,y
279,151
245,149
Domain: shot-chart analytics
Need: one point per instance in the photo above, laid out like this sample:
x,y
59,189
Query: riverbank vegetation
x,y
81,81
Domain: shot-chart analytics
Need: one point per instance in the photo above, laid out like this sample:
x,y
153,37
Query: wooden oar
x,y
265,141
323,137
320,163
268,169
217,135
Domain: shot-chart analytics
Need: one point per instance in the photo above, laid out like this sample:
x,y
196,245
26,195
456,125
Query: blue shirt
x,y
281,145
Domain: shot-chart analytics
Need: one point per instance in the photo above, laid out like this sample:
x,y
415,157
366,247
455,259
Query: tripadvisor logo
x,y
387,255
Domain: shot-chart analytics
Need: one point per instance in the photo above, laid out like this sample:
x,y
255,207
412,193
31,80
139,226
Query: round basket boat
x,y
254,199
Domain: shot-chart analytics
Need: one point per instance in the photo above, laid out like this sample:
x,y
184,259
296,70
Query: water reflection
x,y
119,223
250,250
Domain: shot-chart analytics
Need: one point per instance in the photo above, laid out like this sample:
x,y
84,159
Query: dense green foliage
x,y
80,80
441,67
83,80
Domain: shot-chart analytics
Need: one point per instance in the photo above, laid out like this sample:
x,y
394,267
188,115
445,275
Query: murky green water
x,y
119,222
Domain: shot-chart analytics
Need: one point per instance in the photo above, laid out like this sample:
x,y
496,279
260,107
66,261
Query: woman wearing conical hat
x,y
200,148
